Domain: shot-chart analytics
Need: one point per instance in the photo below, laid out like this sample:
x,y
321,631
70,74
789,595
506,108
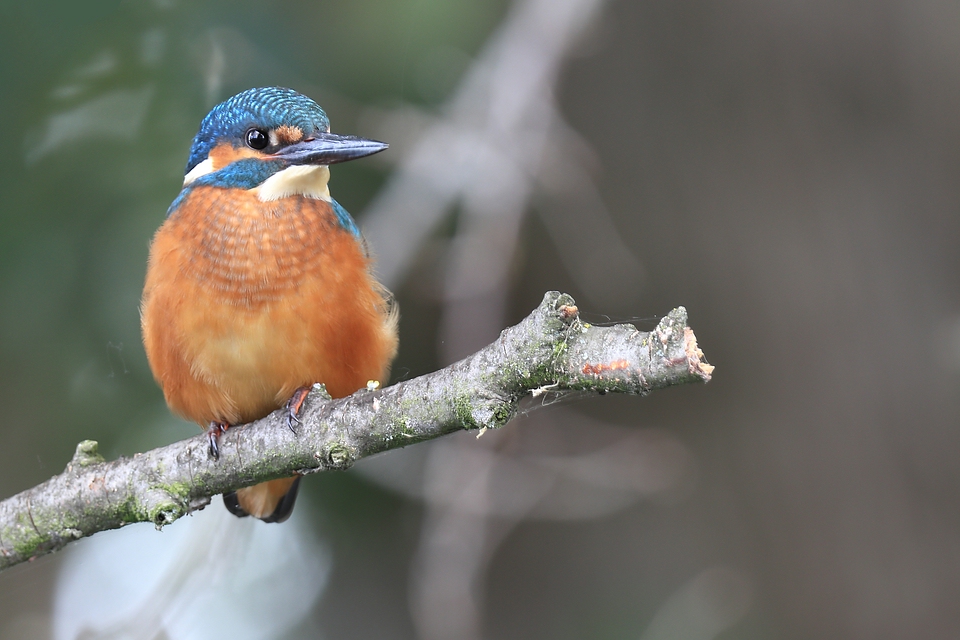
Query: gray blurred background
x,y
788,171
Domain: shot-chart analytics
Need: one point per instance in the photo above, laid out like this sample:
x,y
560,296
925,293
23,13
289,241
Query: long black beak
x,y
329,148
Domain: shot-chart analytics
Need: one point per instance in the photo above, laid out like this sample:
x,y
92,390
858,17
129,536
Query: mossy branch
x,y
551,350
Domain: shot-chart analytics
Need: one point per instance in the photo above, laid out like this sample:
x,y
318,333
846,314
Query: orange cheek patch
x,y
287,134
224,154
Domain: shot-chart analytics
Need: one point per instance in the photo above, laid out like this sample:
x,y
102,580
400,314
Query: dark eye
x,y
257,139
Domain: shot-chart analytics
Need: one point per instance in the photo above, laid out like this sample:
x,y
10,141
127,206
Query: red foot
x,y
294,404
214,431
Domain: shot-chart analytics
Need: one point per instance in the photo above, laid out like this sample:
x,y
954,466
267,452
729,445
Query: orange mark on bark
x,y
568,311
597,369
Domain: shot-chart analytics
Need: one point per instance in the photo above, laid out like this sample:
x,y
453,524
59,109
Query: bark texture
x,y
550,351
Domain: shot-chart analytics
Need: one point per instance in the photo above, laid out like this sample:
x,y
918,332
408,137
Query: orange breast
x,y
245,301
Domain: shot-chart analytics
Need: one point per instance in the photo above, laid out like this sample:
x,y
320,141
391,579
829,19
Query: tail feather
x,y
270,501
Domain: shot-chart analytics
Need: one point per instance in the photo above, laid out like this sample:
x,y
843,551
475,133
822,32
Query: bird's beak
x,y
329,148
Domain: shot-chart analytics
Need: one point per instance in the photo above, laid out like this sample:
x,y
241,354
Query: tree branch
x,y
549,351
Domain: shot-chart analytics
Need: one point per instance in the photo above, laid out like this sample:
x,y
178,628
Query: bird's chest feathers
x,y
243,252
248,285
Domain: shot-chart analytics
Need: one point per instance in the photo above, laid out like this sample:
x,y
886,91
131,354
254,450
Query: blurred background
x,y
788,171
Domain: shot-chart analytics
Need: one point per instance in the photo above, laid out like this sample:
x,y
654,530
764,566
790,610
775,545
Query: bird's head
x,y
271,139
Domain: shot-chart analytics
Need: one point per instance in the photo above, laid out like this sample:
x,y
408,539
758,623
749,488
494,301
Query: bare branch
x,y
550,350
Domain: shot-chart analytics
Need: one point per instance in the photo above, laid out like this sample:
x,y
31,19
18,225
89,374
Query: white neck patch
x,y
201,169
309,180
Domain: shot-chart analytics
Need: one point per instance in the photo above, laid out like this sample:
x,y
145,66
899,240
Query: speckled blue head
x,y
267,108
271,131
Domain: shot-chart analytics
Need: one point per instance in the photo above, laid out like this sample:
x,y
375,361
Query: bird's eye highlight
x,y
257,139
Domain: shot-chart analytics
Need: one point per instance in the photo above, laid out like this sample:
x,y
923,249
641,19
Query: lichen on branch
x,y
550,350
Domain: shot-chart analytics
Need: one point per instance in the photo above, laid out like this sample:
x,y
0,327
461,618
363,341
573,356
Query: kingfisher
x,y
258,283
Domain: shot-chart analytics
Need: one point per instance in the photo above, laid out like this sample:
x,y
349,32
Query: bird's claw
x,y
214,431
291,419
294,404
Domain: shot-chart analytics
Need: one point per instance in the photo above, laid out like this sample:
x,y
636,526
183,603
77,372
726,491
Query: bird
x,y
259,284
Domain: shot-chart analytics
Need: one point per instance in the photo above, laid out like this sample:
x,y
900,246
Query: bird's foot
x,y
214,431
294,404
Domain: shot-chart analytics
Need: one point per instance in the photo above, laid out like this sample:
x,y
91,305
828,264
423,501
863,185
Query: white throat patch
x,y
300,180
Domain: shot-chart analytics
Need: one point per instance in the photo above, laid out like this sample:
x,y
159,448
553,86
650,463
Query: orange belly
x,y
246,301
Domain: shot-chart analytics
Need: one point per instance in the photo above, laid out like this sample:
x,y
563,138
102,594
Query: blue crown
x,y
266,108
